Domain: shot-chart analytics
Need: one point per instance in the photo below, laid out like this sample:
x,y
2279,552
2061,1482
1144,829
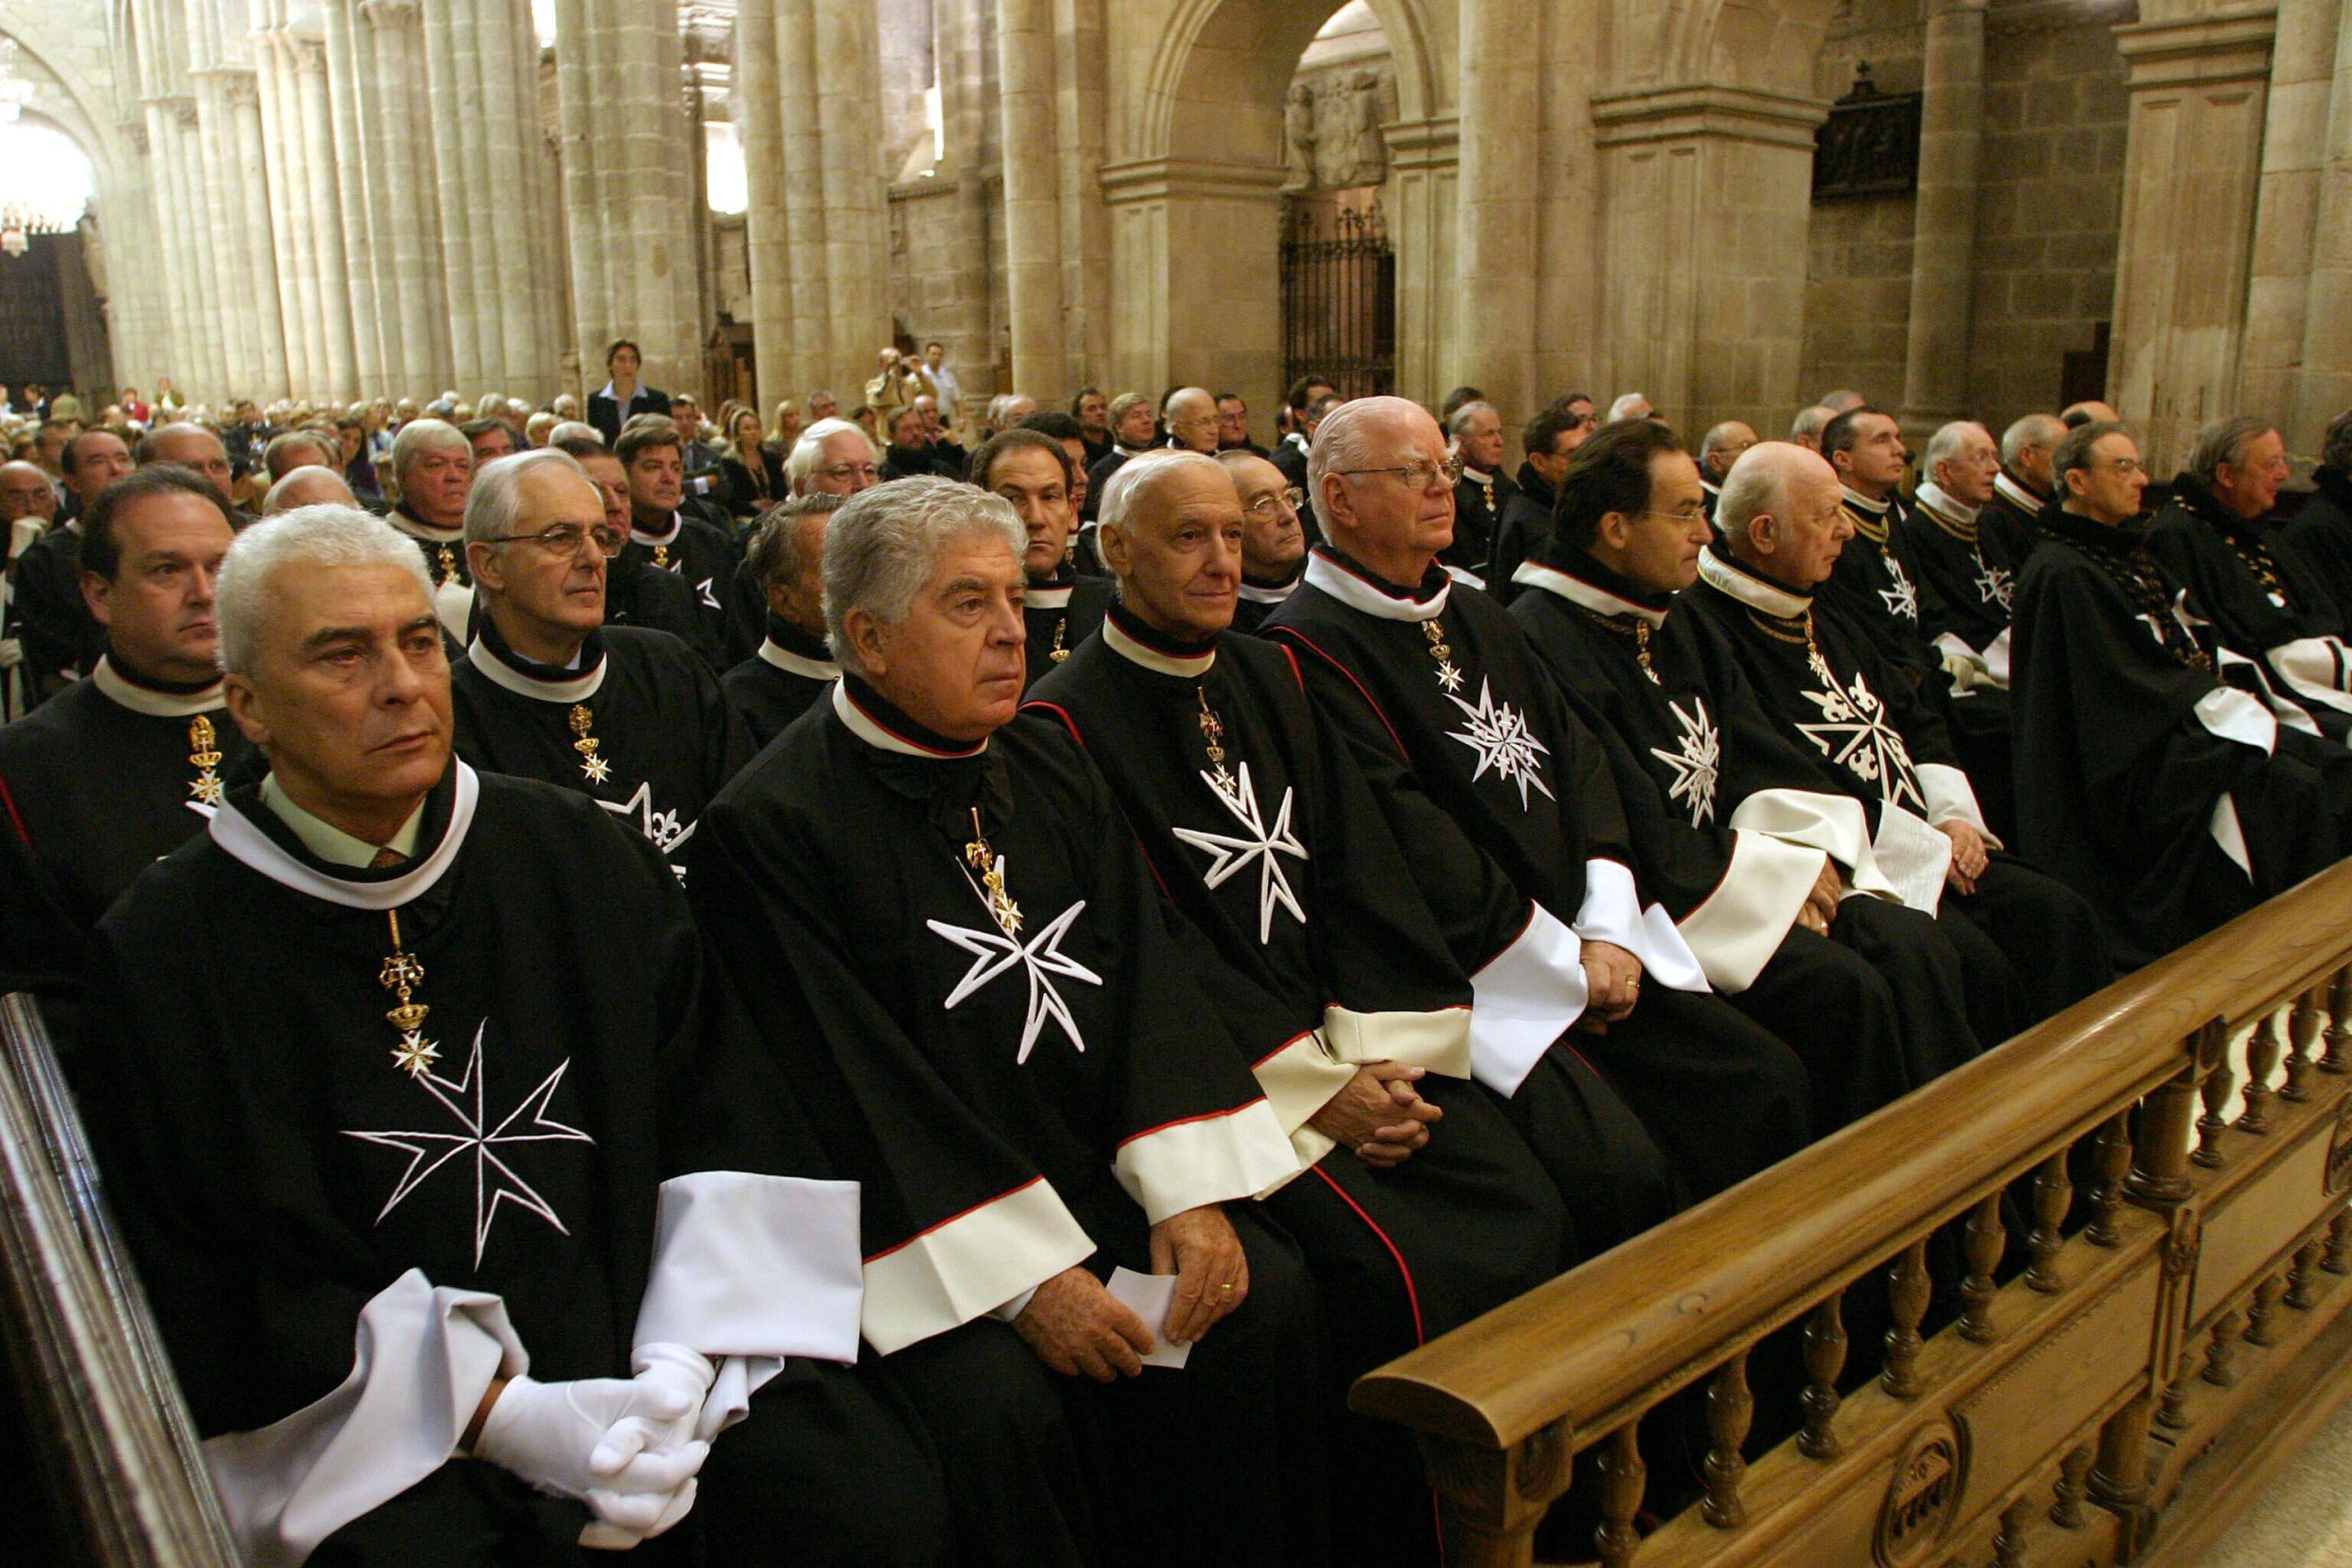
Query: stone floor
x,y
2304,1519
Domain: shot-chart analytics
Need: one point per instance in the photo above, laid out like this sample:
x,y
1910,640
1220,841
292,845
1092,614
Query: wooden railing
x,y
120,1463
2178,1326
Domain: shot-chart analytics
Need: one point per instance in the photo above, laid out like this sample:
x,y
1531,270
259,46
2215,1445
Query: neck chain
x,y
448,560
1869,525
1061,626
2145,590
978,857
204,756
1632,626
1448,676
403,973
1213,737
1813,655
596,769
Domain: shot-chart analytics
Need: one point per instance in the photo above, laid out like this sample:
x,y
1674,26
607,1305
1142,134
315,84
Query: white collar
x,y
1054,598
1856,498
1475,476
1751,588
1465,576
867,729
1709,485
111,684
2017,495
1123,450
677,521
250,846
416,528
1191,666
791,663
1936,499
1299,441
1357,593
331,843
1577,590
608,392
1258,594
501,673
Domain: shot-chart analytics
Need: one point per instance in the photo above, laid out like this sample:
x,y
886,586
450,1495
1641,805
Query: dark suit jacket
x,y
606,414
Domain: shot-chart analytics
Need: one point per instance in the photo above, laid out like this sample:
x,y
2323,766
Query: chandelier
x,y
45,179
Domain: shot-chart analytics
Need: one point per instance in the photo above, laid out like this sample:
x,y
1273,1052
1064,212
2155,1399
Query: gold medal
x,y
1447,675
990,865
204,756
596,769
403,973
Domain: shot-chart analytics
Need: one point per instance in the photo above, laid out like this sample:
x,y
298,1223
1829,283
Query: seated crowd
x,y
1017,975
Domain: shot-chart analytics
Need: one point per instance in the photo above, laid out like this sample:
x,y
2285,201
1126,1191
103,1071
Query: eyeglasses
x,y
2124,466
565,538
1263,507
1422,475
1689,519
841,471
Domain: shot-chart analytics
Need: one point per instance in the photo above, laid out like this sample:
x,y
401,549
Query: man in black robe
x,y
1504,804
908,454
635,593
831,458
1273,537
368,1235
546,690
1482,491
1837,697
2166,789
1764,913
2321,530
117,770
433,468
1550,440
1134,427
1319,954
1872,584
2021,489
664,535
794,666
964,967
61,640
1720,449
2218,538
1061,608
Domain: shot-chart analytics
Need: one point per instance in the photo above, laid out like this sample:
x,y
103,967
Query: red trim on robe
x,y
942,1224
1186,1121
1377,711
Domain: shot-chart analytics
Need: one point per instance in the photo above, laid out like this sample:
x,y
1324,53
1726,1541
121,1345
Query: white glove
x,y
623,1446
1966,671
675,1375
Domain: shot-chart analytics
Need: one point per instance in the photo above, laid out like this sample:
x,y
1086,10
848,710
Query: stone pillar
x,y
455,117
206,322
348,74
1080,135
409,217
2286,239
1174,320
248,196
290,191
797,65
1943,225
760,122
857,239
1501,96
1706,200
182,356
228,295
337,357
971,152
1032,239
511,270
2192,167
2327,381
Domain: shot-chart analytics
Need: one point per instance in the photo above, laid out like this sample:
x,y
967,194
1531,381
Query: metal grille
x,y
1338,297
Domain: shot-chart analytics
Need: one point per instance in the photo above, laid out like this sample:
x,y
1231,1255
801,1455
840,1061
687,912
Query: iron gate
x,y
1338,297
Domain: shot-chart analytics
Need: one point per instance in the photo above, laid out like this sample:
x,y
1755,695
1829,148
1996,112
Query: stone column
x,y
1501,96
857,244
1080,136
1032,239
1943,225
520,273
290,191
216,188
2326,381
797,64
182,356
963,55
347,68
197,257
2192,166
260,279
455,117
421,347
336,358
768,246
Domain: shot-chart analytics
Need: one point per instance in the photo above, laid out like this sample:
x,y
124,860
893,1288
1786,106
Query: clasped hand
x,y
1613,980
1077,1328
625,1447
1378,1114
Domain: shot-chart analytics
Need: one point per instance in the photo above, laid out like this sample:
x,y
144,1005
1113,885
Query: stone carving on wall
x,y
1331,137
1298,136
1869,143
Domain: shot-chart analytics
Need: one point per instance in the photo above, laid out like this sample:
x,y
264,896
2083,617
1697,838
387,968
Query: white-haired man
x,y
1503,803
433,466
1273,535
308,485
626,714
1876,736
833,457
1422,1208
1483,491
2023,487
1966,575
495,1265
960,956
785,555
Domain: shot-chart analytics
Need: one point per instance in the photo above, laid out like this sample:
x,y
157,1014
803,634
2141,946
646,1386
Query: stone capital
x,y
2225,46
1424,144
1154,179
389,14
241,85
1734,113
306,54
135,132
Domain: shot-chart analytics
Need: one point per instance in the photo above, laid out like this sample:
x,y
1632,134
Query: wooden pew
x,y
2179,1328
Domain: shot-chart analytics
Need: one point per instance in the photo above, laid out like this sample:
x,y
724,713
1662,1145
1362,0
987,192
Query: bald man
x,y
1805,429
1717,453
1190,416
307,486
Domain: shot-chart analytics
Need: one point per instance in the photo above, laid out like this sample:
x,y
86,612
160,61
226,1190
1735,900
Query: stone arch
x,y
1193,172
87,114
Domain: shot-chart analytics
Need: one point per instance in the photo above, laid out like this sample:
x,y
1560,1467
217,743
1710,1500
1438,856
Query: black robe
x,y
1966,577
1290,456
1060,614
779,682
2264,601
1876,738
54,625
1314,946
1014,1103
1504,803
2009,518
1525,524
666,739
1478,502
253,1131
443,550
1868,1037
704,557
638,595
1255,599
2320,533
98,783
2163,788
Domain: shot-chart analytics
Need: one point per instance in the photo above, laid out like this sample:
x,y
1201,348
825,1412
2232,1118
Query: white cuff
x,y
1298,1080
2314,666
1912,857
1836,825
748,1265
1952,798
969,1265
1438,1040
422,1359
2232,714
1016,1307
2285,710
1612,912
1524,1000
1215,1159
1739,926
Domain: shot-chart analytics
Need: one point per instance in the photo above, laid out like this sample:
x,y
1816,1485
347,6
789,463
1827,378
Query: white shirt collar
x,y
677,521
1749,589
2017,495
416,528
1709,486
1577,590
501,673
256,850
1054,598
1934,498
608,393
1256,594
1190,666
776,653
331,843
867,728
155,704
1875,507
1358,593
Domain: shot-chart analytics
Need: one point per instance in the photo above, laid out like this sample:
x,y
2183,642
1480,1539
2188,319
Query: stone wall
x,y
1857,281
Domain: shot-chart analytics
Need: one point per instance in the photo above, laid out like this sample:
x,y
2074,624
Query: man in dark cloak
x,y
546,690
1550,440
2021,489
59,636
1061,607
1837,697
468,1228
1317,951
433,468
2166,787
2321,530
962,964
118,769
664,533
793,667
1504,803
1482,491
2218,538
635,593
1865,991
1273,537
